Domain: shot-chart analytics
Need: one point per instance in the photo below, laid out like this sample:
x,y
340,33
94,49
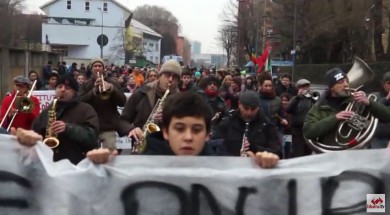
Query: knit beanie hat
x,y
70,81
198,74
334,75
96,60
171,66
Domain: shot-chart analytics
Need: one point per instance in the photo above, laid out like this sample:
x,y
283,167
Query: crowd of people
x,y
196,111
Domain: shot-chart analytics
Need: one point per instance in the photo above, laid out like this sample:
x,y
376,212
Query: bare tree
x,y
228,38
8,24
163,22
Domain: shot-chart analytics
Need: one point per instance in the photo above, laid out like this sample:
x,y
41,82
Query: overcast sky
x,y
199,19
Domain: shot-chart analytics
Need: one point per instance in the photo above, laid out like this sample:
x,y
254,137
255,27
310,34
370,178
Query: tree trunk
x,y
378,29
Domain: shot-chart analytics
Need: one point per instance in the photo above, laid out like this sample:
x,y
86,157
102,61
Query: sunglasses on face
x,y
171,74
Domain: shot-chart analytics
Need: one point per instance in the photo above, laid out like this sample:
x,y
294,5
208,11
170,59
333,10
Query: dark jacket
x,y
107,110
191,87
383,129
298,107
157,145
262,135
217,104
321,123
81,132
138,108
280,89
272,108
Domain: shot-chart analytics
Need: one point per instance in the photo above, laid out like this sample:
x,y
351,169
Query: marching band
x,y
173,114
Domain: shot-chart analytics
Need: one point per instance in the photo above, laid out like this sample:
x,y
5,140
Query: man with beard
x,y
140,105
323,119
382,134
106,108
261,135
76,124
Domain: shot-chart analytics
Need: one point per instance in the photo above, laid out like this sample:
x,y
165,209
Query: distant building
x,y
150,41
72,27
183,48
213,60
196,48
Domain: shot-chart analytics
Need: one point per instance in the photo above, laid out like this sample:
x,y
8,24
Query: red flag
x,y
262,59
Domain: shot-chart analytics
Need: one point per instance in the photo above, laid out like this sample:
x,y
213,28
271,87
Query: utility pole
x,y
101,35
294,39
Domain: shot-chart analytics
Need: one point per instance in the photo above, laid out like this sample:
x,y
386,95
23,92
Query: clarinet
x,y
244,153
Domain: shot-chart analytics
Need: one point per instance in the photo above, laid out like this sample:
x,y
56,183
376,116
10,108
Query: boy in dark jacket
x,y
186,123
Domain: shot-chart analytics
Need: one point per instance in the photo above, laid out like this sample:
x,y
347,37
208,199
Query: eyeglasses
x,y
171,74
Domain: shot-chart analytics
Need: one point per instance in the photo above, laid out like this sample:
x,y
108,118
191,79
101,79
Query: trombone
x,y
103,93
23,104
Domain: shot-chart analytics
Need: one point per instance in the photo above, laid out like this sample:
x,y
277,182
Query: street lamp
x,y
101,35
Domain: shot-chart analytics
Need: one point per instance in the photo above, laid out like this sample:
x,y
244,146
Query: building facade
x,y
196,48
72,29
150,42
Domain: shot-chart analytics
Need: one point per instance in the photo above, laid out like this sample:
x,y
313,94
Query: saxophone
x,y
150,126
243,152
51,138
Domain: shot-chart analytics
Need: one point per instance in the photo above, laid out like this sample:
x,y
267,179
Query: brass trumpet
x,y
103,93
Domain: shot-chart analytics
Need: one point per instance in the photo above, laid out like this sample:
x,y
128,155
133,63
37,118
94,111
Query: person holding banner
x,y
106,108
186,124
22,119
262,136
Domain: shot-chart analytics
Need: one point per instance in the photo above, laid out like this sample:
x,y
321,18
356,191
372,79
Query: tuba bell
x,y
356,132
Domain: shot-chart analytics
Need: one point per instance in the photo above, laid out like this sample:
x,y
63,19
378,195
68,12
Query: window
x,y
105,7
87,5
69,5
156,47
151,44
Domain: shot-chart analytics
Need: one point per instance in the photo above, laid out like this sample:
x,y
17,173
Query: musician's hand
x,y
343,115
361,97
98,82
11,112
100,156
26,137
245,147
265,159
136,133
108,86
301,92
58,127
284,122
158,116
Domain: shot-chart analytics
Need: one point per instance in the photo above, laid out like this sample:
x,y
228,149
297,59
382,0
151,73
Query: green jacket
x,y
321,123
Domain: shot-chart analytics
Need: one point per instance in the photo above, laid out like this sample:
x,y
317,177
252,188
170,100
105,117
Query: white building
x,y
73,26
151,41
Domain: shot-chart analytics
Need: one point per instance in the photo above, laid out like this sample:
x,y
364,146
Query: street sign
x,y
100,39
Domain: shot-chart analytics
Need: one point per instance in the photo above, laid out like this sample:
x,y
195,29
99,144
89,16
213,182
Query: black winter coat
x,y
262,135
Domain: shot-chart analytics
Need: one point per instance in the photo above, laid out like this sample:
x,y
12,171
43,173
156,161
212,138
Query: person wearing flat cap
x,y
298,107
105,104
321,123
262,137
22,119
382,134
76,124
140,105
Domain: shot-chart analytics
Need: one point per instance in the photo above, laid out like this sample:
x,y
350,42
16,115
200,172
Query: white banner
x,y
31,184
46,97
